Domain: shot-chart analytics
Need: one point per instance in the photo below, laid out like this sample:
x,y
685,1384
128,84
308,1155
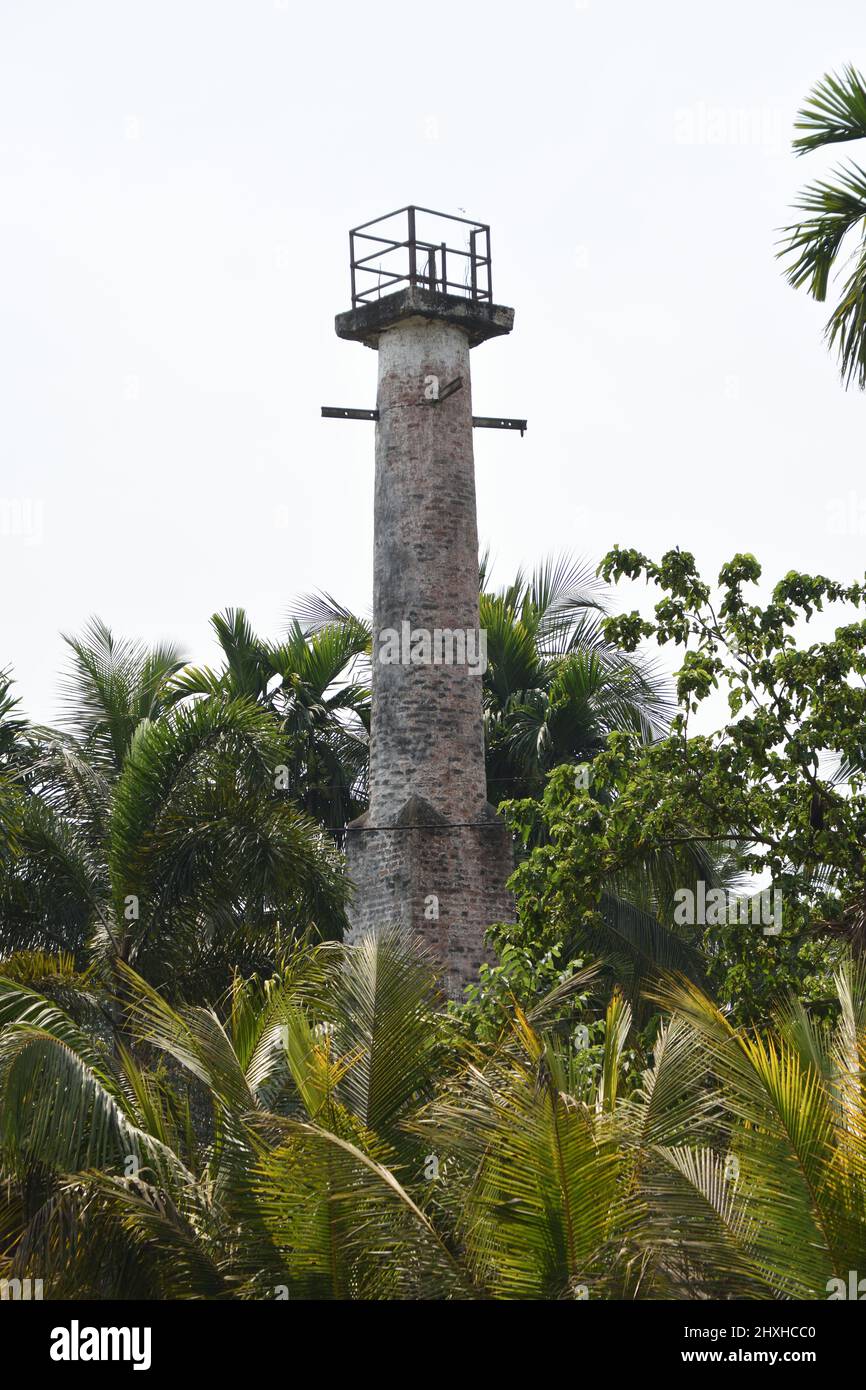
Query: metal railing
x,y
429,261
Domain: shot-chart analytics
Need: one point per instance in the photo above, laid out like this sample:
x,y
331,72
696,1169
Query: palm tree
x,y
264,1157
12,722
307,682
323,1134
735,1168
833,228
160,833
12,729
785,1207
111,688
554,688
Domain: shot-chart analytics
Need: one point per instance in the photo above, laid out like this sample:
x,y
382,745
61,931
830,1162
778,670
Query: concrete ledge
x,y
479,321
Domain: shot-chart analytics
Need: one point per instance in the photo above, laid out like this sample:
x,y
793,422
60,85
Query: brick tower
x,y
431,853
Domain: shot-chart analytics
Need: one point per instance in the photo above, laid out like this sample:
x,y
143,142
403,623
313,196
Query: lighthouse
x,y
430,855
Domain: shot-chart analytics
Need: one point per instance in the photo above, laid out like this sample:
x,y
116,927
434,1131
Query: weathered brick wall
x,y
427,731
427,743
441,881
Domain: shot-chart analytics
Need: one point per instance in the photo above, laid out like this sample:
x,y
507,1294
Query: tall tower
x,y
431,853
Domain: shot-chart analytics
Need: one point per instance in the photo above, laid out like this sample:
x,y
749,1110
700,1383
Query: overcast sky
x,y
176,185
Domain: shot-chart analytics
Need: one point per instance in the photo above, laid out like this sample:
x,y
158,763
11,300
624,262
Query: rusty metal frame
x,y
428,261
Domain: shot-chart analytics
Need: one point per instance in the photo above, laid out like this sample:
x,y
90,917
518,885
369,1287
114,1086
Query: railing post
x,y
444,271
352,266
489,269
472,265
413,269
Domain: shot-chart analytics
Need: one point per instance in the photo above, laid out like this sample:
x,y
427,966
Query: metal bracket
x,y
455,385
496,422
479,422
338,412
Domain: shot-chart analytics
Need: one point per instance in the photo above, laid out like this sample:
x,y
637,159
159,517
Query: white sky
x,y
176,185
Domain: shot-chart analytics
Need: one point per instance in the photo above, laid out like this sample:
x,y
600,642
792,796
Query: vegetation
x,y
831,232
158,832
655,1091
326,1134
203,1094
554,687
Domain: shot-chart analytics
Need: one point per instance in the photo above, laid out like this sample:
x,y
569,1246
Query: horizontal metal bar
x,y
422,246
375,291
370,236
394,278
364,261
436,246
339,412
480,422
463,289
383,241
431,212
386,217
496,422
379,270
450,217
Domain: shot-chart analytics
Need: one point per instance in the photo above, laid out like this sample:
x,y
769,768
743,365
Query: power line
x,y
448,825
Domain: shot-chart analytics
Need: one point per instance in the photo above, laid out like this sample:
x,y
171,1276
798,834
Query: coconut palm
x,y
735,1168
160,833
554,688
323,1134
831,233
308,683
265,1157
112,686
12,727
785,1206
12,722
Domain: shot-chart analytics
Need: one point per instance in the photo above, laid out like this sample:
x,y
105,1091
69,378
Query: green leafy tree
x,y
782,781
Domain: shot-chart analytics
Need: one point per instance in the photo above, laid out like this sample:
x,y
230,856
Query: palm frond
x,y
835,111
382,1007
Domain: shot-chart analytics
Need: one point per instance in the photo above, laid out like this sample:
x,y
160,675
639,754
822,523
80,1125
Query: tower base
x,y
441,882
